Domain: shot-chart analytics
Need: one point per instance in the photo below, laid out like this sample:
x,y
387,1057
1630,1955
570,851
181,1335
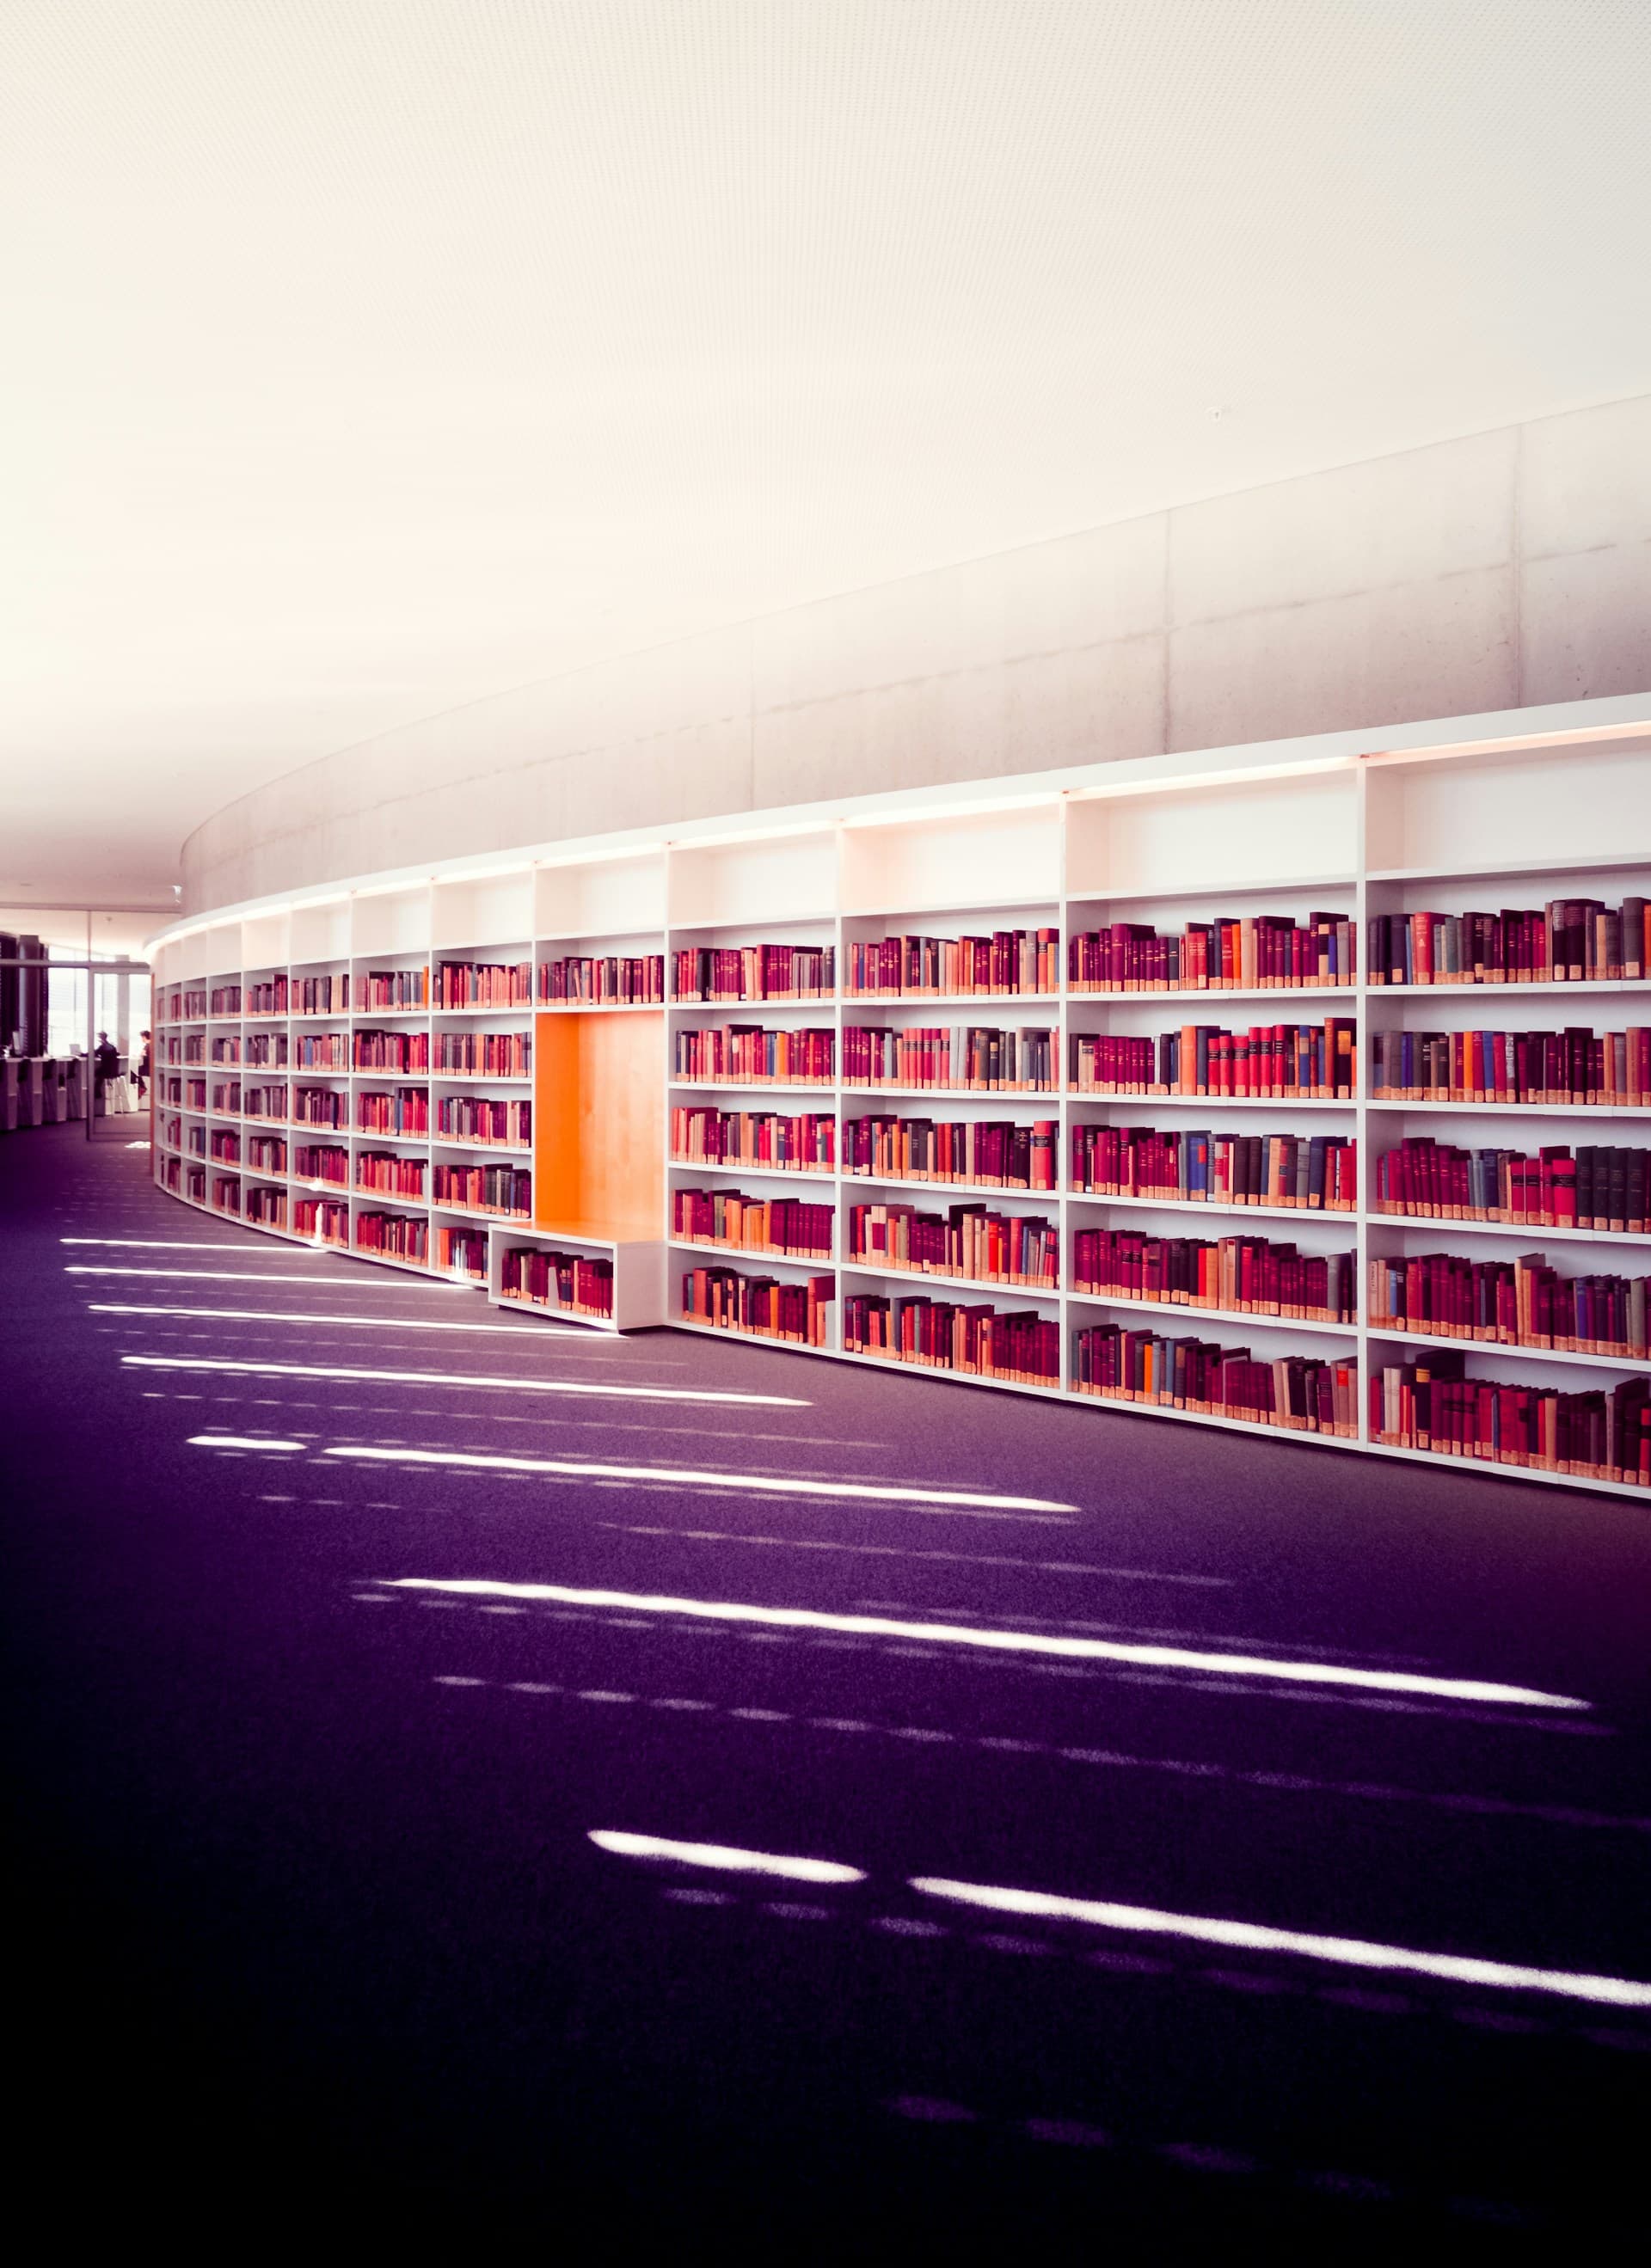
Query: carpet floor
x,y
314,1722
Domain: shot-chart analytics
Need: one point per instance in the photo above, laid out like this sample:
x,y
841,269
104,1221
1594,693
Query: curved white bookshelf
x,y
1551,798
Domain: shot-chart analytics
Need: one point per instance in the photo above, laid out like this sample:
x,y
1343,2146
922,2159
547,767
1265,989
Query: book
x,y
395,988
802,1142
1009,960
1303,1394
1521,1302
760,1306
795,1226
602,980
483,985
968,1240
503,1190
1433,1405
1241,1274
566,1283
487,1121
1578,1067
974,1340
755,972
1251,954
749,1055
477,1055
1600,1188
1275,1061
981,1058
1315,1173
998,1152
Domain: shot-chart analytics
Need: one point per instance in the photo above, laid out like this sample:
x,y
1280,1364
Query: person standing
x,y
143,1069
107,1065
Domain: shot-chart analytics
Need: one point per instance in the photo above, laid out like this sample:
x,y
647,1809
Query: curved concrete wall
x,y
1505,570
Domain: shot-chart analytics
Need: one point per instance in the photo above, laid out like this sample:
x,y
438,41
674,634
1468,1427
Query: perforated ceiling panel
x,y
366,358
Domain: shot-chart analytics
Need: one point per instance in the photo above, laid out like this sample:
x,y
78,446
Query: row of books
x,y
225,1145
792,1225
1241,1274
320,1106
1601,1187
225,1001
377,1051
226,1196
267,1101
1257,953
572,1283
898,968
1303,1393
1279,1061
1580,1068
980,1057
195,1141
1432,1404
462,1251
317,996
226,1095
330,1050
749,1055
1576,940
755,972
604,980
484,985
267,1048
966,1239
1314,1173
321,1161
995,1152
226,1050
266,1153
1522,1302
389,1174
394,1235
195,1184
475,1054
727,1300
405,1112
777,1141
194,1095
484,1119
974,1340
194,1004
268,997
506,1189
395,988
264,1208
325,1218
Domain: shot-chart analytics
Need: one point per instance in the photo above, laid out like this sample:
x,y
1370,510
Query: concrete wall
x,y
1505,570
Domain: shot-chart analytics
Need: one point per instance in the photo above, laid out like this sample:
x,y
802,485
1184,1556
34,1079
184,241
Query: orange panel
x,y
598,1123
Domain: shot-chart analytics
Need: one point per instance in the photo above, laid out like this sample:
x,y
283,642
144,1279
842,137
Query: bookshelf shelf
x,y
961,1190
852,1093
1191,1207
1213,995
1045,1294
1606,862
1581,1113
1435,1225
1549,990
1183,1315
1497,1350
1277,1104
1546,801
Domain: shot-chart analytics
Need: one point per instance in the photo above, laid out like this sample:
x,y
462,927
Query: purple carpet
x,y
316,1930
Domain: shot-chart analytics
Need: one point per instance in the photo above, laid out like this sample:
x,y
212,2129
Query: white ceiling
x,y
366,357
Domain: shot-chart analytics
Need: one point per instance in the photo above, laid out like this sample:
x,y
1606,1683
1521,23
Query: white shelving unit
x,y
1552,803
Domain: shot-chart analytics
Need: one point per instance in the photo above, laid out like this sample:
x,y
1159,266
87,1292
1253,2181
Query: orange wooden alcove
x,y
598,1124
